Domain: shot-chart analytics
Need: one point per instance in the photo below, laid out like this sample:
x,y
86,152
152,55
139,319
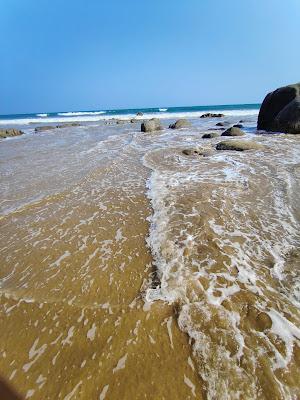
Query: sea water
x,y
131,269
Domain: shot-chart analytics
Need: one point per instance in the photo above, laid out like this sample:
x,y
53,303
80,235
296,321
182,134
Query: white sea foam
x,y
163,109
246,235
41,115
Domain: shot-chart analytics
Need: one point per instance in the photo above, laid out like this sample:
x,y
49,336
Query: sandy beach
x,y
132,267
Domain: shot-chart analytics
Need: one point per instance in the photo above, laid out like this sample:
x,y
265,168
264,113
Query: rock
x,y
139,114
181,123
220,124
133,121
195,152
233,132
211,115
121,121
210,135
51,127
280,110
68,124
151,125
288,119
238,126
238,145
44,128
5,133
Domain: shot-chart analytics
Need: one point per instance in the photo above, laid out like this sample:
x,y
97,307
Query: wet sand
x,y
132,271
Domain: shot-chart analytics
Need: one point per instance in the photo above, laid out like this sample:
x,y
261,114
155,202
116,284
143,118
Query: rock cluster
x,y
211,115
5,133
50,127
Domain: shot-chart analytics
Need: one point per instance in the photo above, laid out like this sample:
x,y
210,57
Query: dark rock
x,y
181,123
51,127
280,110
210,135
233,132
44,128
288,119
151,125
67,124
220,124
5,133
211,115
238,126
139,114
133,121
121,121
238,145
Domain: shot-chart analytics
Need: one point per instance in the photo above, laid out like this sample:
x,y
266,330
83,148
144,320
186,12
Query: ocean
x,y
94,116
132,269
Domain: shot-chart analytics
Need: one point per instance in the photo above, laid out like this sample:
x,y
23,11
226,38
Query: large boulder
x,y
233,131
238,145
151,125
5,133
280,110
181,123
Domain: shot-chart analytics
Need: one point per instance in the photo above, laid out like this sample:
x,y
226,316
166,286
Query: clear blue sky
x,y
81,55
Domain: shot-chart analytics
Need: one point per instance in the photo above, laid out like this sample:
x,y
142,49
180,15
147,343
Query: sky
x,y
67,55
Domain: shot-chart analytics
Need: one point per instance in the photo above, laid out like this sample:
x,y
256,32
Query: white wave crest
x,y
78,113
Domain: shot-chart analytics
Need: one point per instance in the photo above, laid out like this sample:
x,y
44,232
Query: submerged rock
x,y
44,128
210,135
121,121
280,110
139,114
211,115
51,127
5,133
67,124
234,131
151,125
195,152
181,123
238,145
220,124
